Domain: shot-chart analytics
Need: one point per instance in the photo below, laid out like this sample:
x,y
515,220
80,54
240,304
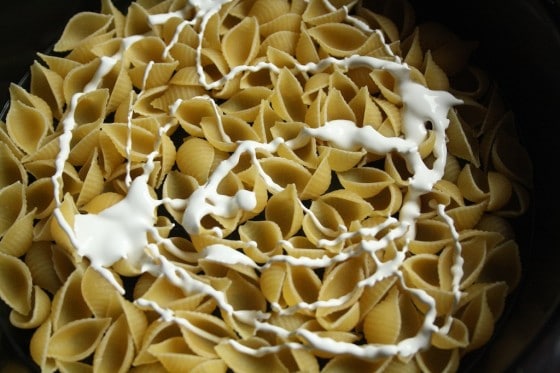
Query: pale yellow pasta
x,y
116,349
77,339
216,112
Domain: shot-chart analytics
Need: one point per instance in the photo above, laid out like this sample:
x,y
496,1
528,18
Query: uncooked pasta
x,y
251,185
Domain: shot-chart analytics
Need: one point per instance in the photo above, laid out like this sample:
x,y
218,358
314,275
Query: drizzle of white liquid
x,y
123,230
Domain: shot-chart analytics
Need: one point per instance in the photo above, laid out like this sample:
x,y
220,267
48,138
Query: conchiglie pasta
x,y
314,186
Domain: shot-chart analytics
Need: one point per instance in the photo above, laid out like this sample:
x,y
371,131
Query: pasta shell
x,y
206,332
101,296
382,323
223,132
456,337
352,364
16,284
319,182
18,238
479,320
431,237
241,43
503,264
317,13
142,140
136,321
242,362
342,160
306,51
286,99
333,289
338,39
38,346
12,200
462,142
40,263
48,84
284,22
284,210
68,304
365,181
283,172
246,103
438,360
266,235
80,27
27,126
301,285
39,313
115,351
77,339
271,281
512,160
420,271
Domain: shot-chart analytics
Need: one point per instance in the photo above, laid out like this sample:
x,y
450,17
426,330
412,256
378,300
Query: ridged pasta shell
x,y
387,202
13,202
333,287
68,303
512,159
243,362
365,181
286,98
246,103
80,27
48,85
150,75
27,126
382,324
93,181
284,172
142,140
284,209
240,44
266,235
479,320
16,284
18,238
420,271
462,142
77,79
431,237
224,132
503,264
78,339
301,285
438,360
466,217
156,332
206,332
473,252
319,182
353,364
115,351
101,296
338,39
41,304
271,281
456,337
38,346
341,160
336,107
39,261
283,22
374,293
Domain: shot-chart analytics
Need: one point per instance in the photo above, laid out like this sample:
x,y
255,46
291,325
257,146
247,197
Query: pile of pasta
x,y
300,288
